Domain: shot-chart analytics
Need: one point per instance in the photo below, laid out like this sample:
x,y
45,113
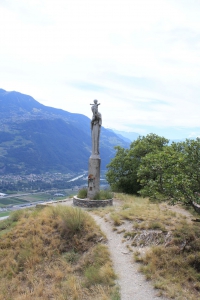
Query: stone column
x,y
94,176
94,160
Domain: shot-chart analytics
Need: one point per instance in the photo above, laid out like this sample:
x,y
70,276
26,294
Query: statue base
x,y
86,203
94,176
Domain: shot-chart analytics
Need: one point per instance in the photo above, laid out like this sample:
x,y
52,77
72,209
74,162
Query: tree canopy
x,y
123,168
151,167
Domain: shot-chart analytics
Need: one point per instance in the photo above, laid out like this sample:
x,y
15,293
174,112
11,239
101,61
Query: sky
x,y
139,58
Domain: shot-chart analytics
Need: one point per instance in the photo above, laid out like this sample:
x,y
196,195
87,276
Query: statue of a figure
x,y
95,127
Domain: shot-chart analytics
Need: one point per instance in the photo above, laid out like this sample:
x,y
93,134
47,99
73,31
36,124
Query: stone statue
x,y
94,160
96,123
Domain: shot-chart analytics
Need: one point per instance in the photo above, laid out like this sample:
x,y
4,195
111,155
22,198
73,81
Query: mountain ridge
x,y
35,138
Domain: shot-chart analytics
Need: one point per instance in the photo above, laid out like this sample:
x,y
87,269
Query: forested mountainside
x,y
35,138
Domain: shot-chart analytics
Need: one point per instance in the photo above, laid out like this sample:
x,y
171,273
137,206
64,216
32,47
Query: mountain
x,y
127,136
35,138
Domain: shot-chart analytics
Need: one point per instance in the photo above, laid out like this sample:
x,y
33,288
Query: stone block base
x,y
93,176
87,203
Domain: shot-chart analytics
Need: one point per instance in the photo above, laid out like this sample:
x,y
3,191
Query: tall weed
x,y
72,218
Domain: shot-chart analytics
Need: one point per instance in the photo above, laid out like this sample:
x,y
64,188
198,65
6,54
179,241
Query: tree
x,y
122,172
123,168
158,172
147,144
173,173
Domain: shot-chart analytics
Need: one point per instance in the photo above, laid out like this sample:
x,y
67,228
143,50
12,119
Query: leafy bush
x,y
103,195
82,194
122,170
172,174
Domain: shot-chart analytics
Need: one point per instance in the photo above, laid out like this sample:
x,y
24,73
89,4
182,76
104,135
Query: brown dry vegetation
x,y
54,253
165,243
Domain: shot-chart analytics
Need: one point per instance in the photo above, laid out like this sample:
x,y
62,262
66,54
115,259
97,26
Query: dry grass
x,y
53,254
144,214
175,267
172,260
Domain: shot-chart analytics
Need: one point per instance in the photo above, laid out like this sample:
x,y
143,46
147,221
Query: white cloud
x,y
124,53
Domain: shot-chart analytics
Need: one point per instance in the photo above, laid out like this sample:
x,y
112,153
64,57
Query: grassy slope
x,y
164,242
54,253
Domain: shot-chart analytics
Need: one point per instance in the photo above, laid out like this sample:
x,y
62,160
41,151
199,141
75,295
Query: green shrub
x,y
116,294
72,218
71,256
103,195
16,215
82,194
7,224
98,268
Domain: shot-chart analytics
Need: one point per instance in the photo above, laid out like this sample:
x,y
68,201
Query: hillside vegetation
x,y
54,253
153,168
163,240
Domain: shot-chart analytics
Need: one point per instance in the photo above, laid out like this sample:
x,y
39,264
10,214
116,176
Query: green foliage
x,y
116,294
147,144
71,256
154,169
103,195
96,271
155,173
16,215
82,193
173,173
122,172
72,218
123,168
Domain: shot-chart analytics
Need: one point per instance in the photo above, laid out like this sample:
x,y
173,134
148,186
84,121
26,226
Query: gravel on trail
x,y
132,284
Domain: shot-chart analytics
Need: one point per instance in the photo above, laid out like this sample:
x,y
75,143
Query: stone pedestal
x,y
93,176
91,203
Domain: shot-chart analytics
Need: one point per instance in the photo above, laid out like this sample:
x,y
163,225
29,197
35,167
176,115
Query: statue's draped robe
x,y
96,128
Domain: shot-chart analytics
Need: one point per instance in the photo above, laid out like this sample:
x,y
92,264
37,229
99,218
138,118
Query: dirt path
x,y
132,283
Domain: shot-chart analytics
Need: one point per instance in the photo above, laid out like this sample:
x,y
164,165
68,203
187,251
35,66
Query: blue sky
x,y
139,58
